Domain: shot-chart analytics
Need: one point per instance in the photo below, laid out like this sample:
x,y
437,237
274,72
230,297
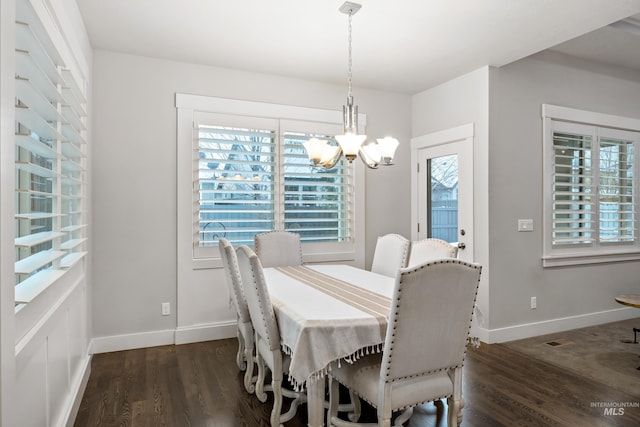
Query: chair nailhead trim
x,y
415,270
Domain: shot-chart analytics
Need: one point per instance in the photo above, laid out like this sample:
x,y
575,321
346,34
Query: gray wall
x,y
504,105
515,174
134,185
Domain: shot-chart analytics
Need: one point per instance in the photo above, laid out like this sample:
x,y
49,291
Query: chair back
x,y
429,249
430,318
391,254
234,281
257,294
278,248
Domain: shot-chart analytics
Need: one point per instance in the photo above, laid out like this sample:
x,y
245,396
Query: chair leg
x,y
384,420
248,375
403,417
454,417
250,361
353,407
259,388
334,399
240,356
298,399
335,407
354,415
276,385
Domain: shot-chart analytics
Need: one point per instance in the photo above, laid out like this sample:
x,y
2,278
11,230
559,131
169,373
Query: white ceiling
x,y
617,44
398,45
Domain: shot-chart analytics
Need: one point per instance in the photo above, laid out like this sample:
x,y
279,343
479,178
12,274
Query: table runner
x,y
323,317
363,299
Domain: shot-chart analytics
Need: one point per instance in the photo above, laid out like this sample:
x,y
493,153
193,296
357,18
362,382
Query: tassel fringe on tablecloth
x,y
320,374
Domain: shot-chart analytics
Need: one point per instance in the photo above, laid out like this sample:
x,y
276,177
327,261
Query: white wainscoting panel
x,y
31,391
53,363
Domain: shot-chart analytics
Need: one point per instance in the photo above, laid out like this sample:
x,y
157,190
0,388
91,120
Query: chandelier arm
x,y
330,163
367,160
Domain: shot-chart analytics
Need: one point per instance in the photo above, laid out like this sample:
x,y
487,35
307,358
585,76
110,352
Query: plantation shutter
x,y
234,178
316,200
616,193
50,136
593,185
590,187
573,193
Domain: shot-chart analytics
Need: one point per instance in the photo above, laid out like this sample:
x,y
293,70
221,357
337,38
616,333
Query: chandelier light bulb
x,y
315,148
388,147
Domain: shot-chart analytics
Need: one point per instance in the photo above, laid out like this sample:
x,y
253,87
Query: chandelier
x,y
351,143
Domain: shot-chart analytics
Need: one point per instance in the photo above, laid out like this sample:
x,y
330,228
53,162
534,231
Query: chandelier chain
x,y
350,61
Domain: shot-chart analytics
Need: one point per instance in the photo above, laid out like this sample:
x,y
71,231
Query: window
x,y
235,179
316,202
251,174
591,187
50,130
241,192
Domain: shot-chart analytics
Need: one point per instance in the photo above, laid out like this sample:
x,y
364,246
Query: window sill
x,y
585,259
328,257
28,290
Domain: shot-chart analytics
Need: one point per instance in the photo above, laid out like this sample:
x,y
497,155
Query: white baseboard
x,y
131,341
78,392
183,335
528,330
207,332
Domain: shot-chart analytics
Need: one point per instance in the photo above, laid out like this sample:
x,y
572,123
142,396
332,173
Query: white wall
x,y
134,191
459,102
570,296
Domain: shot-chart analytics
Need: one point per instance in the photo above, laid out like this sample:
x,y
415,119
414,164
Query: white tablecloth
x,y
327,313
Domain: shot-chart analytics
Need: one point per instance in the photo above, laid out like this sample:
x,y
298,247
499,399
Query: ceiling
x,y
403,46
617,44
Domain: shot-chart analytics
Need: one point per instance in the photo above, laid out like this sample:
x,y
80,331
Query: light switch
x,y
525,225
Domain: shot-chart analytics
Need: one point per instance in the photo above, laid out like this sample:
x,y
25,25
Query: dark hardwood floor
x,y
199,385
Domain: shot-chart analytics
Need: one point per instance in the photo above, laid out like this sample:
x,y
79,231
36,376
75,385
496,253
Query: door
x,y
443,184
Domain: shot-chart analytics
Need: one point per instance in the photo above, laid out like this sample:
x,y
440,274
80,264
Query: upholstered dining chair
x,y
267,337
244,357
278,248
429,249
418,364
390,255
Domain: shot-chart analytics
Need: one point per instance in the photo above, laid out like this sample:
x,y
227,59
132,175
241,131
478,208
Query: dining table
x,y
327,313
631,300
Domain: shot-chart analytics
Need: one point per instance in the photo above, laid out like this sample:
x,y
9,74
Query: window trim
x,y
570,256
187,106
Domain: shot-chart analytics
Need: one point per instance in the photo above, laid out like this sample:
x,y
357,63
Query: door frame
x,y
464,134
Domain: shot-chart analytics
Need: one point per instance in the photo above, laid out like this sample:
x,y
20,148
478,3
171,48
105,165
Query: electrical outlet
x,y
534,303
166,308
